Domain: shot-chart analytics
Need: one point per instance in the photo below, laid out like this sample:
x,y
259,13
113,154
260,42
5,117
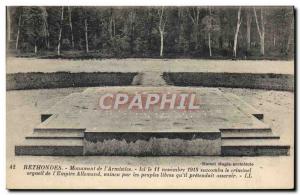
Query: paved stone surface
x,y
81,110
219,127
242,105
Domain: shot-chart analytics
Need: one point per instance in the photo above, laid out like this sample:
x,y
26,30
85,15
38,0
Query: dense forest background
x,y
155,32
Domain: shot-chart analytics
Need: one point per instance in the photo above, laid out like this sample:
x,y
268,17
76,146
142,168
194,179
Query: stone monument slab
x,y
221,124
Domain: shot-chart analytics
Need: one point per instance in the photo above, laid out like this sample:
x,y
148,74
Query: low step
x,y
249,135
56,135
246,130
244,106
58,130
50,147
253,147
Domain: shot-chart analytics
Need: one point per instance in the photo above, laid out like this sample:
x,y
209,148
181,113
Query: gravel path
x,y
15,65
149,79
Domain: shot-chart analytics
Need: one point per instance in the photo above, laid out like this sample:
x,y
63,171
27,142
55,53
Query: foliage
x,y
134,31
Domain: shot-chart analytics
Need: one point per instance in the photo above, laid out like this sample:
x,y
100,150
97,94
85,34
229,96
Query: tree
x,y
33,26
86,35
238,24
147,31
194,15
112,24
182,39
290,48
130,28
161,28
19,28
248,26
46,28
211,24
260,29
8,23
60,31
71,26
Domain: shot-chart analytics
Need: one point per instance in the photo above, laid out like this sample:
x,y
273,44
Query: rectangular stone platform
x,y
77,125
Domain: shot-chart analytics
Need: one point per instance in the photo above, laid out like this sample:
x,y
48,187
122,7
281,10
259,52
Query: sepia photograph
x,y
150,97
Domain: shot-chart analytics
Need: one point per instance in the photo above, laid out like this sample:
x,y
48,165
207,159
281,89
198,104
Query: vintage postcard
x,y
161,97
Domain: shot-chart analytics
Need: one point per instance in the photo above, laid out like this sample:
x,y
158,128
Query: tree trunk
x,y
221,42
181,30
194,15
71,27
209,39
35,48
261,30
111,25
262,46
47,37
161,44
86,36
114,28
161,28
110,28
248,24
196,37
132,39
290,35
60,31
18,33
46,29
8,27
238,24
131,29
209,45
